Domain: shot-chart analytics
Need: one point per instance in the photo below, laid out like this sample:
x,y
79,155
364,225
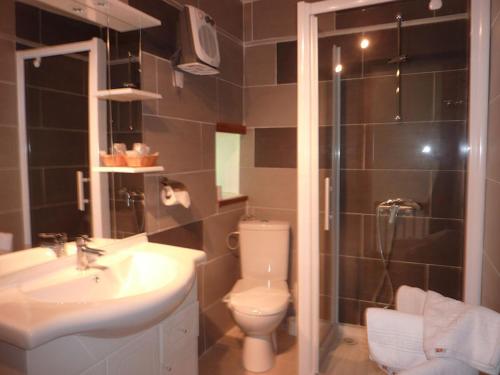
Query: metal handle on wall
x,y
327,203
80,198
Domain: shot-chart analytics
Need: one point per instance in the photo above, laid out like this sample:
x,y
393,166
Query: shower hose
x,y
386,255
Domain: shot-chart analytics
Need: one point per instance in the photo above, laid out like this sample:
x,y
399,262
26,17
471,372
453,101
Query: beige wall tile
x,y
271,106
231,67
149,82
230,103
196,101
216,228
164,135
260,65
270,187
220,276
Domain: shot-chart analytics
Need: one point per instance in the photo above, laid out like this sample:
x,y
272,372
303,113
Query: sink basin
x,y
134,286
129,275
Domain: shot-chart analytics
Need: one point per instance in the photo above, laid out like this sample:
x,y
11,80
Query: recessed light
x,y
78,10
338,68
365,43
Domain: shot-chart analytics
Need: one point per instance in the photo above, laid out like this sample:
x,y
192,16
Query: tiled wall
x,y
381,159
10,204
491,261
181,126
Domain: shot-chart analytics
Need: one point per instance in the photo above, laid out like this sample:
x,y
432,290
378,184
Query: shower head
x,y
435,4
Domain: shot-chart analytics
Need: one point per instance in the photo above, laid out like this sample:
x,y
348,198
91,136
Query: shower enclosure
x,y
391,125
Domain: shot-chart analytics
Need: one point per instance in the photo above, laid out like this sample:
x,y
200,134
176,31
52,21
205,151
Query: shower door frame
x,y
308,163
97,110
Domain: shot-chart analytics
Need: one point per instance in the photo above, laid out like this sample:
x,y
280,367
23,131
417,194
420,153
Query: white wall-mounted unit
x,y
127,94
199,47
114,14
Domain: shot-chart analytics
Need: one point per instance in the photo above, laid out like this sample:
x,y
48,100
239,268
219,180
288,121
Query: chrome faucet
x,y
54,241
85,255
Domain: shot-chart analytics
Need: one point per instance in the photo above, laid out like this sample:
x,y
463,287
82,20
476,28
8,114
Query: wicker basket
x,y
109,160
142,161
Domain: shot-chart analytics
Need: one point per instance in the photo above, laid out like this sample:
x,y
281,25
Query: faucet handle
x,y
53,238
83,239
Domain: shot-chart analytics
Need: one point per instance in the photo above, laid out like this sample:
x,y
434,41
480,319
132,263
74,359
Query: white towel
x,y
410,300
453,329
441,366
395,339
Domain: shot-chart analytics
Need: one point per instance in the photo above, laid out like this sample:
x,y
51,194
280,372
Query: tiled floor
x,y
348,357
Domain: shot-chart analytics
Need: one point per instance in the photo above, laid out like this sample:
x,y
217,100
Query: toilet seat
x,y
259,298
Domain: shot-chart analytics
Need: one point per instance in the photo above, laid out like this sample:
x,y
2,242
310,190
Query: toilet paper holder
x,y
175,185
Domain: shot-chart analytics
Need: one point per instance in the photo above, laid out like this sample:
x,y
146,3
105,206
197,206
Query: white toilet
x,y
259,300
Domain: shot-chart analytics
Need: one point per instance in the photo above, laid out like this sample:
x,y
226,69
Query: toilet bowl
x,y
259,300
258,307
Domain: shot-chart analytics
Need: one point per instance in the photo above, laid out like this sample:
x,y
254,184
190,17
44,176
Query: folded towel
x,y
441,366
395,339
410,300
453,329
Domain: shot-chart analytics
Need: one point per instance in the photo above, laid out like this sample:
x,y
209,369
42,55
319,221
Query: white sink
x,y
135,286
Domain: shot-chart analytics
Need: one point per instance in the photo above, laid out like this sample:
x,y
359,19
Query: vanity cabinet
x,y
168,348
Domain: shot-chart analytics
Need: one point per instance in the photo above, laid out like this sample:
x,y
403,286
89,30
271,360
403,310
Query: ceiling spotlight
x,y
364,43
435,4
78,10
338,68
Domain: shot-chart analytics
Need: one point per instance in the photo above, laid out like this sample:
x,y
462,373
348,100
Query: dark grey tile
x,y
427,53
64,218
446,280
37,189
418,240
416,146
189,235
276,147
448,194
286,62
351,232
351,147
361,191
451,99
350,56
60,184
349,311
64,111
33,107
50,147
383,47
52,24
453,7
26,20
417,97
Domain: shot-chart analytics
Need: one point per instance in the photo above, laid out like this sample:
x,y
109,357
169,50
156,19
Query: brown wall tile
x,y
271,106
216,229
349,311
451,95
189,235
247,22
165,135
247,149
7,60
12,222
227,13
282,193
260,65
493,139
217,320
7,17
489,290
208,145
10,190
231,67
8,104
220,276
491,220
273,19
47,146
9,147
196,101
230,103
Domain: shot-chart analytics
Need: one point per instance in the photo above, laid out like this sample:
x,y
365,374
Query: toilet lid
x,y
260,300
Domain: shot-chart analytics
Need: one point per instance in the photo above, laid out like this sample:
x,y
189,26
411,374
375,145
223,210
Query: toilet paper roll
x,y
171,197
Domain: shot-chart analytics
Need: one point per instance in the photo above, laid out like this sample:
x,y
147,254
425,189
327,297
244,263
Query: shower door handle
x,y
80,197
327,204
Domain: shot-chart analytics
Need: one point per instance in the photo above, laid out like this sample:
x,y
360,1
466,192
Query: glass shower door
x,y
329,164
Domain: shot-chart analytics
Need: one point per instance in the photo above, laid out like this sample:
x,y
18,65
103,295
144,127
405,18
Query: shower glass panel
x,y
397,106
